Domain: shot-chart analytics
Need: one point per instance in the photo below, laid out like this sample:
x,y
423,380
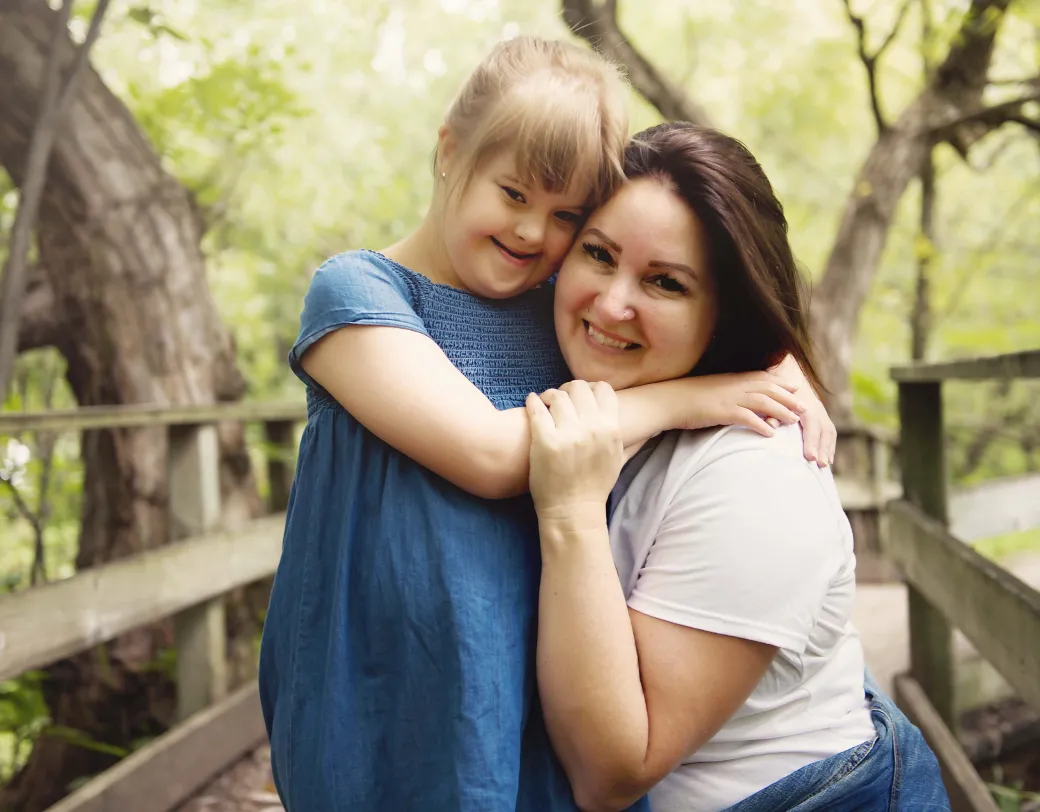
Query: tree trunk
x,y
121,291
894,160
838,299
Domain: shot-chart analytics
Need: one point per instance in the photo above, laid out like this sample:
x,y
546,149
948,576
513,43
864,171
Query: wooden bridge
x,y
948,585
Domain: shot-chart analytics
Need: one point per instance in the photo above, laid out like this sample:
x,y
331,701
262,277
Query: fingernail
x,y
799,407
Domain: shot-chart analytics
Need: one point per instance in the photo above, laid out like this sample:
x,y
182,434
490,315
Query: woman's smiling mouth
x,y
607,339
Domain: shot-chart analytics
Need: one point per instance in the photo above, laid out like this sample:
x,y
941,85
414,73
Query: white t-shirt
x,y
734,533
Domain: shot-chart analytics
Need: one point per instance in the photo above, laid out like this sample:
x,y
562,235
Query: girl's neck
x,y
423,251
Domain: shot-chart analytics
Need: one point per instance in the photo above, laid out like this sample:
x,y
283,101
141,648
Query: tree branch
x,y
54,103
967,62
991,116
38,571
597,24
870,60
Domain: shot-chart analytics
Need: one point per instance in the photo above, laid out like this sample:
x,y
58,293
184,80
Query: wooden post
x,y
279,436
200,637
924,484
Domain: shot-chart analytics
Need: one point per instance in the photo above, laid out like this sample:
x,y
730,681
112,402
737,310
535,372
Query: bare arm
x,y
626,696
401,387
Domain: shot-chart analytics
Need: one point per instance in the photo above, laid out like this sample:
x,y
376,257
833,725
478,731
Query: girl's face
x,y
636,301
504,236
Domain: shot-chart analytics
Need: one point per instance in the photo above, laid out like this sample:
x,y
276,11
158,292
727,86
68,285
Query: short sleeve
x,y
748,548
353,288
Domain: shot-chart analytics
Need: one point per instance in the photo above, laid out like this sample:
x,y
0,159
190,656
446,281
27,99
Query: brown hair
x,y
762,297
560,106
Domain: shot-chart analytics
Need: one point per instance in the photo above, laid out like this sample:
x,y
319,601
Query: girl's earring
x,y
444,175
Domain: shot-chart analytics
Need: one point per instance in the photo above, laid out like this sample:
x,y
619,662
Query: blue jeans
x,y
894,772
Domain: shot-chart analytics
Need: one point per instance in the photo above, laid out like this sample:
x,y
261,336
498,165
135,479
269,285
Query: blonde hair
x,y
559,106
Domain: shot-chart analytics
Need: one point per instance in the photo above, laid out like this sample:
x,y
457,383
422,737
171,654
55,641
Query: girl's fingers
x,y
746,417
767,406
773,422
781,380
785,396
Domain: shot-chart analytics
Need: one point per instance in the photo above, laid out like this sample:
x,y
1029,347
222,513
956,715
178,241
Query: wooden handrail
x,y
45,623
996,611
1010,365
107,417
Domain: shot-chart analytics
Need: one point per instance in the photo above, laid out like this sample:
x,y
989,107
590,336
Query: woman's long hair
x,y
763,314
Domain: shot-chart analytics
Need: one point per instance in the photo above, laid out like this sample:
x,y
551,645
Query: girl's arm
x,y
627,696
399,384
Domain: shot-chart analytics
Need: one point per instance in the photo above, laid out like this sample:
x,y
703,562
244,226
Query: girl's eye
x,y
513,194
569,217
668,284
598,253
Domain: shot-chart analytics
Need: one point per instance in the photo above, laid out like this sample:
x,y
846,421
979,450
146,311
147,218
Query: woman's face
x,y
635,300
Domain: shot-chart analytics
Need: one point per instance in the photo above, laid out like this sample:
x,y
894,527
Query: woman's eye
x,y
513,194
598,253
669,284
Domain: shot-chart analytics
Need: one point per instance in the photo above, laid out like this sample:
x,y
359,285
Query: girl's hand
x,y
819,434
576,450
759,401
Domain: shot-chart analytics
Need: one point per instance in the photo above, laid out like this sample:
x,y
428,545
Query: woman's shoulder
x,y
743,469
697,452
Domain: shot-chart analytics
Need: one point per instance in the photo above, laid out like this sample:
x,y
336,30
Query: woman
x,y
701,650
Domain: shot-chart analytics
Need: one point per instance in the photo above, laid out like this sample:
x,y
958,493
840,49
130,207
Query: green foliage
x,y
23,717
1006,545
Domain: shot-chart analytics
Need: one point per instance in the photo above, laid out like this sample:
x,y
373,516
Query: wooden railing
x,y
186,580
949,584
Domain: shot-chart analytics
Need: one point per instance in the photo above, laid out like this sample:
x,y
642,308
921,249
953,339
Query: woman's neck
x,y
424,252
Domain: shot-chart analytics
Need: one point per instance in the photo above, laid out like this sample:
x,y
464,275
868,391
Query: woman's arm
x,y
627,695
399,384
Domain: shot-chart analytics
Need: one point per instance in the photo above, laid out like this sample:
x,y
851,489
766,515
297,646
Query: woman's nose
x,y
615,303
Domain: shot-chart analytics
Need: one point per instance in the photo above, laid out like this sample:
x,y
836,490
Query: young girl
x,y
397,659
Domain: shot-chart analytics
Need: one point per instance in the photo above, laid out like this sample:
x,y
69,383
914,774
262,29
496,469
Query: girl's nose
x,y
531,229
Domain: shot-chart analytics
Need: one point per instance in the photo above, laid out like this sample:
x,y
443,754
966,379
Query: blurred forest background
x,y
256,139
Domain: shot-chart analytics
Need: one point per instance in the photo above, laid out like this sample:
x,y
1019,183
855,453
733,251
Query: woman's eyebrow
x,y
677,266
605,238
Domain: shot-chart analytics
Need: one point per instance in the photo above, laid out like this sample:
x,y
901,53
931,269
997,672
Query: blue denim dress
x,y
397,661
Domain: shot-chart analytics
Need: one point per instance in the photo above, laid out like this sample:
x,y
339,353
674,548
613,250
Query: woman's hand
x,y
576,450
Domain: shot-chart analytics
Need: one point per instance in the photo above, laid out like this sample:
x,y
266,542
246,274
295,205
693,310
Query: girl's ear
x,y
447,149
